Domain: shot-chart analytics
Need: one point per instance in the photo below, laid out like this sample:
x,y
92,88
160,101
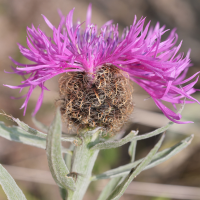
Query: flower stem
x,y
82,164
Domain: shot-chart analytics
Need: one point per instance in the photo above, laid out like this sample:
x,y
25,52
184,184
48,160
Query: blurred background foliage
x,y
16,15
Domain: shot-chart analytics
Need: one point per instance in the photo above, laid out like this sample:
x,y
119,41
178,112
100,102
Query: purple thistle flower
x,y
152,64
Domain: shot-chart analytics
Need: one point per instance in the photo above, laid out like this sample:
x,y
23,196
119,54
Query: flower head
x,y
139,53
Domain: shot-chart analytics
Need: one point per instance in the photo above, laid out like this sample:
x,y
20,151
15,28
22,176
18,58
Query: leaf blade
x,y
9,186
109,188
157,159
153,133
56,163
16,134
170,152
114,144
40,125
120,189
32,131
132,150
130,137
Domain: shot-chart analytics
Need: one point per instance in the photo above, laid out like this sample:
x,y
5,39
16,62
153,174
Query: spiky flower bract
x,y
104,100
153,64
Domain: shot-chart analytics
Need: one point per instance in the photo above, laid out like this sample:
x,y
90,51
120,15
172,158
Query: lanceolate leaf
x,y
35,132
115,144
40,125
168,153
120,189
130,137
56,163
9,186
132,150
68,157
157,159
109,188
44,128
153,133
17,134
30,130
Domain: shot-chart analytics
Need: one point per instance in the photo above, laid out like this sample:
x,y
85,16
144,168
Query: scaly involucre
x,y
152,64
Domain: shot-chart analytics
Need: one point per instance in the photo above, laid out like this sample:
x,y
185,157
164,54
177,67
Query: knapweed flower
x,y
98,67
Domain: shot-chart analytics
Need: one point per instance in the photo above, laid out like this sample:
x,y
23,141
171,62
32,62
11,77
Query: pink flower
x,y
152,64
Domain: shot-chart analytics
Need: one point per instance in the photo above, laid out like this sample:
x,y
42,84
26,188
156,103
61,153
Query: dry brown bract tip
x,y
105,101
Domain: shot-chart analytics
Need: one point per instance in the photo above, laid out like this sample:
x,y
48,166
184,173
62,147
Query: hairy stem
x,y
82,164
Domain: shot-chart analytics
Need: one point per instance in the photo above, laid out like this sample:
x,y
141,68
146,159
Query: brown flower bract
x,y
106,101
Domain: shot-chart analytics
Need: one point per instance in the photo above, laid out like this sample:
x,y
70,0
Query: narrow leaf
x,y
130,137
44,128
28,129
158,158
120,189
17,134
115,144
153,133
32,131
164,155
9,186
132,150
68,157
108,189
40,125
56,163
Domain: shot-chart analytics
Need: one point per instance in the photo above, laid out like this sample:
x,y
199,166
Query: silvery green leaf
x,y
9,186
109,188
120,189
115,144
40,125
168,153
17,134
68,138
132,150
44,128
32,131
153,133
158,158
28,129
56,163
68,157
130,137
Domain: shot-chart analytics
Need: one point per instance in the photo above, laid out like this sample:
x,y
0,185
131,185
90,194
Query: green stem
x,y
82,164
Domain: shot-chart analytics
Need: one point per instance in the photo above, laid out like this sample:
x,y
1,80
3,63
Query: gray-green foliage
x,y
109,188
62,169
157,159
132,149
40,125
115,144
9,186
15,133
56,163
120,189
32,138
130,137
35,132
